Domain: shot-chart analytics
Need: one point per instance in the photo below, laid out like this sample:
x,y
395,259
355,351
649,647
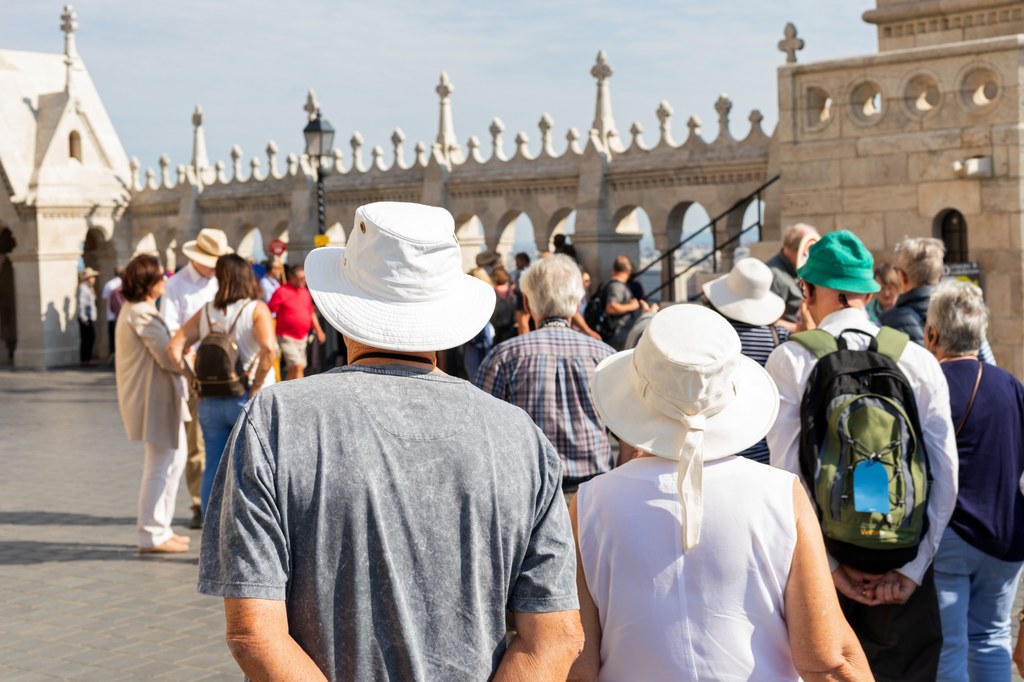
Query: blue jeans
x,y
976,594
217,417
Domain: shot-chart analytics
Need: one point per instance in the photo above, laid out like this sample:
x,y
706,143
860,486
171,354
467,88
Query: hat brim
x,y
757,312
194,254
415,326
747,419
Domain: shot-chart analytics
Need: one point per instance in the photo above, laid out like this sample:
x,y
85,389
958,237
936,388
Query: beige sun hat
x,y
687,393
207,247
398,282
87,273
745,294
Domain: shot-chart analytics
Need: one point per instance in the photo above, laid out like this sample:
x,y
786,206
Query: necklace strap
x,y
396,356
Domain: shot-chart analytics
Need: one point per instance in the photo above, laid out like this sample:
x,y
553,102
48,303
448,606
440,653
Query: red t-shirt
x,y
294,310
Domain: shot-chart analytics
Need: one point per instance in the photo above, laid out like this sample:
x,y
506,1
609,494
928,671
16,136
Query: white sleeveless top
x,y
715,613
247,346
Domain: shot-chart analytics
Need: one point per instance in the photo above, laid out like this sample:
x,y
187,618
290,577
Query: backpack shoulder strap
x,y
891,342
818,341
241,310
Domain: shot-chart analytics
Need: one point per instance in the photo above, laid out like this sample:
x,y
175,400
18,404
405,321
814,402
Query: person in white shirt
x,y
112,285
187,291
271,281
896,614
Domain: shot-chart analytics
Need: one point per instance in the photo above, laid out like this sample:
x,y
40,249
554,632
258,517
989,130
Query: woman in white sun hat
x,y
693,563
744,297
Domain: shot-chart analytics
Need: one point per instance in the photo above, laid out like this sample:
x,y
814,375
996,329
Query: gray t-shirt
x,y
620,324
398,513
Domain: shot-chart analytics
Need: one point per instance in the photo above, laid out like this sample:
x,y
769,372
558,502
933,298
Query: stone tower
x,y
923,138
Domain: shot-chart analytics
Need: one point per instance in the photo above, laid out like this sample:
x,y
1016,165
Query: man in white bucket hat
x,y
377,520
185,293
695,563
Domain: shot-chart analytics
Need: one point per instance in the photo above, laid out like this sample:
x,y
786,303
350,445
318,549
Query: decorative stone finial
x,y
236,162
165,170
398,144
377,157
150,179
664,114
200,159
421,153
604,122
446,125
357,151
336,158
694,125
723,106
312,105
601,70
69,24
473,149
546,124
497,130
293,164
272,159
182,174
791,44
522,150
573,138
637,131
133,167
254,169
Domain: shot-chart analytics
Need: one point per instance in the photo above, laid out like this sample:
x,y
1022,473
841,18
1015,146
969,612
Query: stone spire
x,y
69,24
200,161
446,126
604,122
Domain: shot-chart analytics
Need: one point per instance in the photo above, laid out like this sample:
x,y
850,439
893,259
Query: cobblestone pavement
x,y
76,600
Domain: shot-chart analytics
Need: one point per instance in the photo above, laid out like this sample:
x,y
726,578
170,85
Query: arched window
x,y
75,145
951,228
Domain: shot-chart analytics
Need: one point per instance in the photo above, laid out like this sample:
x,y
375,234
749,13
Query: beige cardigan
x,y
152,404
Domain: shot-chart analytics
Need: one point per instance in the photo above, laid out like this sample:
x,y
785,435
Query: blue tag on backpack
x,y
871,488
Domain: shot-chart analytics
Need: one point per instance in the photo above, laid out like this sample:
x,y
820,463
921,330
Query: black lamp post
x,y
319,140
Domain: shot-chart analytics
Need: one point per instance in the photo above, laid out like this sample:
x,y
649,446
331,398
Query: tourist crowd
x,y
814,472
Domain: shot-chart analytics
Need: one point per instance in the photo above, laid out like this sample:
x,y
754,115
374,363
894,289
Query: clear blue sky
x,y
374,65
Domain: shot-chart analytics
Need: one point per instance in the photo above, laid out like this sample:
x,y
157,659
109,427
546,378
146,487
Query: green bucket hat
x,y
840,261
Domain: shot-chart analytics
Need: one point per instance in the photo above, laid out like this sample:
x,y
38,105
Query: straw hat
x,y
745,294
687,393
398,283
87,273
207,247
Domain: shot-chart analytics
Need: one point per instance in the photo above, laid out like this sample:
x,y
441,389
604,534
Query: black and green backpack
x,y
858,407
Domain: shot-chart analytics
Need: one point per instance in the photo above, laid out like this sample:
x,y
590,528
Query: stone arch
x,y
75,146
469,230
93,248
563,221
753,220
146,244
516,233
336,234
8,297
686,219
951,227
251,246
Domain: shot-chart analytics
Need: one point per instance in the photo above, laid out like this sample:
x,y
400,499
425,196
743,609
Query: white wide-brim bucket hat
x,y
687,393
745,294
398,283
209,245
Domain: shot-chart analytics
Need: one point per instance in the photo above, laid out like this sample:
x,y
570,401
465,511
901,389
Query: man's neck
x,y
621,276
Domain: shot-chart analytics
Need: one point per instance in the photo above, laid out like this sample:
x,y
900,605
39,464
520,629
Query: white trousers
x,y
161,474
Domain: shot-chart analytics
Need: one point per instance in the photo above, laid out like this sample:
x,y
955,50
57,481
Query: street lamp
x,y
319,140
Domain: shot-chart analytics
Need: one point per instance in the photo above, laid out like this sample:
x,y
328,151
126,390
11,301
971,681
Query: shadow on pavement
x,y
42,518
26,552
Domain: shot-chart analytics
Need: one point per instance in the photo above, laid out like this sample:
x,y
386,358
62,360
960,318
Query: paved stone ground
x,y
76,600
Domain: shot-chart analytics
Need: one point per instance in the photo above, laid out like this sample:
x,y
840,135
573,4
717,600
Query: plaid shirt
x,y
548,373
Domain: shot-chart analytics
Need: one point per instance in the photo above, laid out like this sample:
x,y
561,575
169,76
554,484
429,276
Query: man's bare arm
x,y
257,635
544,647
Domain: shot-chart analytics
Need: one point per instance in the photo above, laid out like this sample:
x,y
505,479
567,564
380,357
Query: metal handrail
x,y
715,247
712,254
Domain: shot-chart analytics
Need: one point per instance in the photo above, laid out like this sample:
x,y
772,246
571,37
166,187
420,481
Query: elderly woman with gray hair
x,y
979,560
